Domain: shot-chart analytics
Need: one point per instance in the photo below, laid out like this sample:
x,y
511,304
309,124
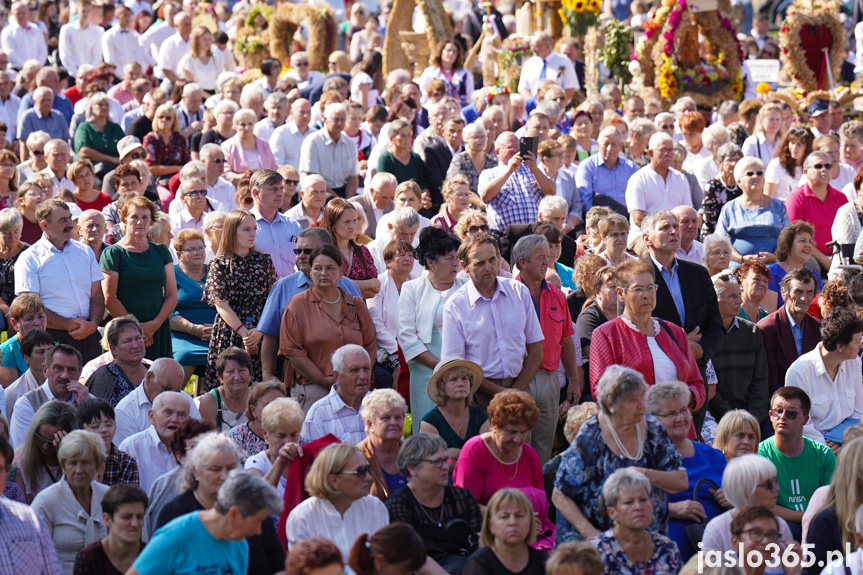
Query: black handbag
x,y
695,531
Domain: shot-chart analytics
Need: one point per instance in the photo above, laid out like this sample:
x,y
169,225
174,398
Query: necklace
x,y
623,451
502,462
460,425
439,521
338,299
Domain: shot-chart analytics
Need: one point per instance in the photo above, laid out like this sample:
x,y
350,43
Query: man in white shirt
x,y
331,154
190,111
65,275
80,43
62,368
276,106
377,201
34,345
713,137
339,411
10,103
301,72
174,48
656,186
120,44
132,412
287,140
546,64
218,188
691,249
151,40
313,191
22,40
57,155
760,28
152,446
830,375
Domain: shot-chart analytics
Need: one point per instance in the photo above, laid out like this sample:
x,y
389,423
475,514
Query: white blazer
x,y
418,305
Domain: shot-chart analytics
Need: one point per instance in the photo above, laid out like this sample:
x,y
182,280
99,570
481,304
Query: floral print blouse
x,y
174,153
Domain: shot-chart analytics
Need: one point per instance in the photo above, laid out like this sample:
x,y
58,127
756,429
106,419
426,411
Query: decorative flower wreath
x,y
813,14
496,91
515,51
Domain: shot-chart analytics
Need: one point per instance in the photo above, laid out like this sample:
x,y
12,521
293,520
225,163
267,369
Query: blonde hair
x,y
81,443
732,422
505,498
575,418
280,413
846,490
333,459
379,401
437,393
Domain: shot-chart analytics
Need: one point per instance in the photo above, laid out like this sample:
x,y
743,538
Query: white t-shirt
x,y
776,174
262,463
204,74
363,79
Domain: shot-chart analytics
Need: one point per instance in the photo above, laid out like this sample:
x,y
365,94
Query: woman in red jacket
x,y
655,348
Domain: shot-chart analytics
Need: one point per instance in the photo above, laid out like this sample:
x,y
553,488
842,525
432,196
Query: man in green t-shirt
x,y
802,465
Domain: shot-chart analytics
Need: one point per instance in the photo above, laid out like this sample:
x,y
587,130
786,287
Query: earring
x,y
611,410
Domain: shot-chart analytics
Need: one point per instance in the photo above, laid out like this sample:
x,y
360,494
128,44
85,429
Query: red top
x,y
802,204
615,343
555,322
73,93
100,202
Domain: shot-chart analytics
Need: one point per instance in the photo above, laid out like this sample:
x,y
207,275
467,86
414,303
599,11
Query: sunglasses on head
x,y
799,132
359,471
474,229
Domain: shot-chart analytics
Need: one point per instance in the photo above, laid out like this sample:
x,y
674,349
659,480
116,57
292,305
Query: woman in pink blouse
x,y
500,459
245,151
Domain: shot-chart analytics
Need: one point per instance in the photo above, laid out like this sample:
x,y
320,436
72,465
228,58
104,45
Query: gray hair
x,y
616,384
474,130
728,150
209,446
608,132
661,393
309,179
742,475
727,109
10,218
296,56
662,116
333,109
383,179
550,109
96,98
250,92
210,220
684,100
245,113
338,357
224,78
193,170
626,479
165,396
207,150
191,88
380,401
225,104
276,98
42,90
650,220
747,163
640,127
714,132
525,246
721,279
549,203
658,139
679,150
398,76
405,216
248,493
713,239
322,235
416,448
814,158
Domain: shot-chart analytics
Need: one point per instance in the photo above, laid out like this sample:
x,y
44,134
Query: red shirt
x,y
100,202
802,204
73,94
555,322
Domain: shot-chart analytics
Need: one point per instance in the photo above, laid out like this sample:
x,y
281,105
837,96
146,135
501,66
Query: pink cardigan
x,y
615,343
235,156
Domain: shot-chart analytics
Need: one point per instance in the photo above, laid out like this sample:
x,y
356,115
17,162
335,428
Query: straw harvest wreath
x,y
811,28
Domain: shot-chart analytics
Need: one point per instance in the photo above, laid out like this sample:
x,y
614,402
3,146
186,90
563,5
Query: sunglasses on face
x,y
827,166
359,471
769,484
37,153
304,251
758,173
784,413
195,194
218,161
291,182
474,229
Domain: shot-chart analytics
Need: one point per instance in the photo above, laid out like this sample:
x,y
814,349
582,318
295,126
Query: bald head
x,y
506,146
164,375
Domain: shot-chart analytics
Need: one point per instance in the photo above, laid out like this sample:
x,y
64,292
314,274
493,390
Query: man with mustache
x,y
62,367
66,276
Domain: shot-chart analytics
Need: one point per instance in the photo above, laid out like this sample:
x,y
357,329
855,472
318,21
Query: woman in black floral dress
x,y
721,189
239,280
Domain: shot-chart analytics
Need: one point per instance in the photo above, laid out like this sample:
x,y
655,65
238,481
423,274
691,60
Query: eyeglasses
x,y
617,235
359,471
827,166
107,425
137,155
440,463
769,484
463,195
42,438
217,161
757,534
787,413
758,173
304,251
642,290
291,182
195,194
675,414
716,253
194,250
474,229
304,64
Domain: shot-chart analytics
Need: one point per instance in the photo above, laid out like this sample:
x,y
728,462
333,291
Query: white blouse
x,y
663,368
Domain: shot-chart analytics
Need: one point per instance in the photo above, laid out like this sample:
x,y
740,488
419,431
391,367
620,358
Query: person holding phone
x,y
513,189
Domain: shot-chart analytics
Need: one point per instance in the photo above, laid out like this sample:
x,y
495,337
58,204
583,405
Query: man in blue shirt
x,y
49,78
43,117
285,289
606,173
277,233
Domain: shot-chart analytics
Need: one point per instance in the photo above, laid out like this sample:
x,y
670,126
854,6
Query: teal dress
x,y
189,350
141,288
476,419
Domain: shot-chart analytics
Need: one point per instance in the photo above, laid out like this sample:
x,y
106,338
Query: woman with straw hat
x,y
451,386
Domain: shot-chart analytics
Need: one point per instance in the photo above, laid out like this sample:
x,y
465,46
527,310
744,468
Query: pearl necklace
x,y
623,451
338,299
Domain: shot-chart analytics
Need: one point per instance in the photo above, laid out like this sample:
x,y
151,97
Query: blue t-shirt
x,y
185,547
11,349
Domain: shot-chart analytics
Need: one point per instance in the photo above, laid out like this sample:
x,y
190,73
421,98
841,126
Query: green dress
x,y
141,288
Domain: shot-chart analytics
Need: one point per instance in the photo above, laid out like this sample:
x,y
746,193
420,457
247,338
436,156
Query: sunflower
x,y
593,5
579,5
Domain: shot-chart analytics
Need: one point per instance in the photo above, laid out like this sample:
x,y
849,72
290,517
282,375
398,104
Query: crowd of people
x,y
278,320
